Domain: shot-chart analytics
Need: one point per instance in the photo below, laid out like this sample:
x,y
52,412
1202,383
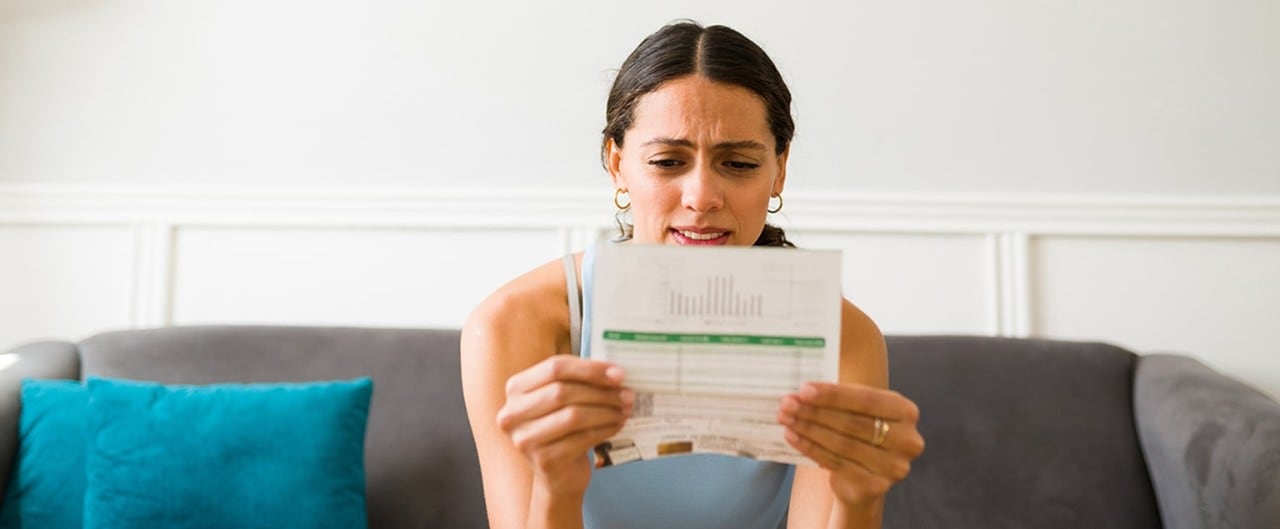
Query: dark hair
x,y
717,53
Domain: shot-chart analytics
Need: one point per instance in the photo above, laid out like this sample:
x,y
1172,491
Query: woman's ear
x,y
613,163
782,171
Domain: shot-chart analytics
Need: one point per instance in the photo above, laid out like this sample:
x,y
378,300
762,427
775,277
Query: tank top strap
x,y
588,275
575,307
580,301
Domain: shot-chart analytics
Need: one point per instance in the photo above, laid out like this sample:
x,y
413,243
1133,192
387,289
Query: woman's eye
x,y
666,163
741,166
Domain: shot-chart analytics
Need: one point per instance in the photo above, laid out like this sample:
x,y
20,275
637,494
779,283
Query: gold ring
x,y
881,432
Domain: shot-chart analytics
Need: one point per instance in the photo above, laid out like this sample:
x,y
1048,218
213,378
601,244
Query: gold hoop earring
x,y
779,208
617,193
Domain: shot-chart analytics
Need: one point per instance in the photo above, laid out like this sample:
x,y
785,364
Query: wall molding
x,y
977,213
1009,223
301,207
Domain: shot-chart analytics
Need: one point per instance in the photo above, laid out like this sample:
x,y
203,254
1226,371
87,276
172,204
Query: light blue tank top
x,y
699,491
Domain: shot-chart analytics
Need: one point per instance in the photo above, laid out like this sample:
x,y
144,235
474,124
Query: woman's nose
x,y
702,190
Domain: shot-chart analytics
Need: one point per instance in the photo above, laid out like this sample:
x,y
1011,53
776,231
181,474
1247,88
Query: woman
x,y
697,136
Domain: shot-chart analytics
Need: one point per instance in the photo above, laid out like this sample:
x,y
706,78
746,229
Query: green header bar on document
x,y
730,339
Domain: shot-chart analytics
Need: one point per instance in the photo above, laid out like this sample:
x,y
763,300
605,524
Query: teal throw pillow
x,y
226,455
46,485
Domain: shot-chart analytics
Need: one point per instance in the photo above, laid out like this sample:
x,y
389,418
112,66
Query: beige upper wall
x,y
1094,96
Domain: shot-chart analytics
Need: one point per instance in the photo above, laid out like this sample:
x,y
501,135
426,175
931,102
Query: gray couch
x,y
1021,433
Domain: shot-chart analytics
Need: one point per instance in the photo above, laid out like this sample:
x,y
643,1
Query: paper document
x,y
711,339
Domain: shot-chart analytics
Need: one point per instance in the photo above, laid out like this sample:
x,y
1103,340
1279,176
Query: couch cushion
x,y
46,488
1020,433
226,455
420,461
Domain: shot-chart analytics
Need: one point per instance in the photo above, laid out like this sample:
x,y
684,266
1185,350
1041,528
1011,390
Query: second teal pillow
x,y
228,455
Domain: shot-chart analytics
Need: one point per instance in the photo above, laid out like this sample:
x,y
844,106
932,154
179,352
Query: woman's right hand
x,y
557,410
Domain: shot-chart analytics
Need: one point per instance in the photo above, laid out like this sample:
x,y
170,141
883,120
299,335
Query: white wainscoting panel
x,y
64,282
375,277
1188,274
914,283
1214,298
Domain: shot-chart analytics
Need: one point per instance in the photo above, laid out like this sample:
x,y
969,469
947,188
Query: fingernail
x,y
614,373
808,391
790,405
787,419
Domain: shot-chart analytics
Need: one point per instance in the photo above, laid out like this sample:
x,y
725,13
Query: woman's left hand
x,y
864,436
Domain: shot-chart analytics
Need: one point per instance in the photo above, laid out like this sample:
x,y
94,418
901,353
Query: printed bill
x,y
711,339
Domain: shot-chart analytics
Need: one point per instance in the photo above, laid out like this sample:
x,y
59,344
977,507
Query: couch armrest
x,y
1212,445
57,360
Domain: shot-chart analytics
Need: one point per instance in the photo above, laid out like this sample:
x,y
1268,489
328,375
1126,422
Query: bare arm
x,y
834,425
534,413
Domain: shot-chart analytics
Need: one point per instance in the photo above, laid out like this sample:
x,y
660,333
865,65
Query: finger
x,y
901,437
551,397
862,480
844,449
860,399
565,368
852,424
564,422
571,446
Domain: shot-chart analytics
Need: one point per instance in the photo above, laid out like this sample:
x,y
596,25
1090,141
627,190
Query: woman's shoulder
x,y
863,355
856,322
533,309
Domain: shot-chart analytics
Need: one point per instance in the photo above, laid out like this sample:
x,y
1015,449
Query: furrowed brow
x,y
743,144
671,142
724,145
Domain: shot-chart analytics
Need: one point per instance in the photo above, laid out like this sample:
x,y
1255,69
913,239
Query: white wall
x,y
1136,96
387,163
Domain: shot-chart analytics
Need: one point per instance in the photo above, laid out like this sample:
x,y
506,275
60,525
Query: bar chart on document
x,y
720,300
724,321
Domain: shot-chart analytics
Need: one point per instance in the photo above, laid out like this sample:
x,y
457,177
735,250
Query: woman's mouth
x,y
699,237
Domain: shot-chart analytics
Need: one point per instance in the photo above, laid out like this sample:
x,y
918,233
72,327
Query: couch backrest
x,y
1020,433
421,466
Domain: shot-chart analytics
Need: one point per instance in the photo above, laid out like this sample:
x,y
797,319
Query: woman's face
x,y
699,164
